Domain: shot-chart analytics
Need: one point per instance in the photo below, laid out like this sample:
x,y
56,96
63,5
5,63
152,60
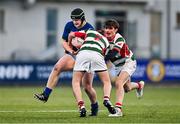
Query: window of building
x,y
120,16
132,35
51,26
178,20
2,14
155,35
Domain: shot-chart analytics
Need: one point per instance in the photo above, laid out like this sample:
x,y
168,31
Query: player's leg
x,y
138,86
64,64
112,72
81,67
129,86
76,86
119,84
130,67
90,91
104,77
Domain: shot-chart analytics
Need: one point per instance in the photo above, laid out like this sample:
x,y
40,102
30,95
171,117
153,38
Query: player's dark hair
x,y
111,23
78,14
101,31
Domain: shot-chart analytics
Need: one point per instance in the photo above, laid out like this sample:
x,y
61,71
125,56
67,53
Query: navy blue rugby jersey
x,y
69,27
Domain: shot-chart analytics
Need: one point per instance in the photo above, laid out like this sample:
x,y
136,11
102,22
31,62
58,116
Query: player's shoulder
x,y
118,35
87,23
89,26
94,32
119,38
69,24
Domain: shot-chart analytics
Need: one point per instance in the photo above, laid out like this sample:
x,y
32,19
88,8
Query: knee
x,y
127,89
87,88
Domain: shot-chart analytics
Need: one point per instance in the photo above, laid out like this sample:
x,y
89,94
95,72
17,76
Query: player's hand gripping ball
x,y
77,42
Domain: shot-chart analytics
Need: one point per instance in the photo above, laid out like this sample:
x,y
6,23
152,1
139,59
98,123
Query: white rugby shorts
x,y
129,67
89,61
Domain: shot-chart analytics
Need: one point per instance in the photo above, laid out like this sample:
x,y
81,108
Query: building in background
x,y
30,30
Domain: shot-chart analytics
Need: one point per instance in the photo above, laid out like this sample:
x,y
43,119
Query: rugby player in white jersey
x,y
89,59
125,64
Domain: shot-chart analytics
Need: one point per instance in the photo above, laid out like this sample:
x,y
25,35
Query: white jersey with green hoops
x,y
95,41
124,53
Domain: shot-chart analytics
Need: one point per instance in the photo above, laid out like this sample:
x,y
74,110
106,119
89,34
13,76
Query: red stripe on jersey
x,y
125,51
98,37
120,44
116,49
103,51
80,34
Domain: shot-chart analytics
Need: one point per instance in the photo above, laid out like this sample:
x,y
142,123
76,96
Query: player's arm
x,y
69,43
122,47
73,35
111,54
64,42
70,37
66,46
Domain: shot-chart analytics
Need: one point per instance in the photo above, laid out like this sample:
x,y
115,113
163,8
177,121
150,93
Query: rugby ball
x,y
77,42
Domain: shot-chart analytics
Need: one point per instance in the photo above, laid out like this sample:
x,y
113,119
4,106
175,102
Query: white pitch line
x,y
41,111
53,111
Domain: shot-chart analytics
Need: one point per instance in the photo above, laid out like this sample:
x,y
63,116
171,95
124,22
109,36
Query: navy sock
x,y
95,105
47,92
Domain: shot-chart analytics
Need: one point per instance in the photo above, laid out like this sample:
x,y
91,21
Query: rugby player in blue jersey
x,y
66,63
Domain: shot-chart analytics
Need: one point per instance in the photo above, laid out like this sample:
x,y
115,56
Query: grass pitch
x,y
158,105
